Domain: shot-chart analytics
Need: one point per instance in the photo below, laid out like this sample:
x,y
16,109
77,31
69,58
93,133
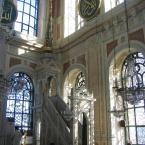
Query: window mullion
x,y
135,125
26,11
19,87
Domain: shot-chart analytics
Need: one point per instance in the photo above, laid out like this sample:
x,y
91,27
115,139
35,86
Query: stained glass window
x,y
20,100
133,74
80,81
27,19
80,84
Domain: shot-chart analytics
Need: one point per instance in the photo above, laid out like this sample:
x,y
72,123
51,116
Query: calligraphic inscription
x,y
88,8
9,14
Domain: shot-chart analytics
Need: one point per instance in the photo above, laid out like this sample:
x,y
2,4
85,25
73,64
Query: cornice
x,y
101,24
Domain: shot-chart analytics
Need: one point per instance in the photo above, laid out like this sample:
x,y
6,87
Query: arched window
x,y
27,20
20,100
78,99
128,101
133,80
72,19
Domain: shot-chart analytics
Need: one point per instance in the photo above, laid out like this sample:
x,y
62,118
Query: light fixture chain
x,y
113,37
127,24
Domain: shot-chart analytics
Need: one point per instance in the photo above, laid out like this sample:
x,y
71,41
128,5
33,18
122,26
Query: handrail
x,y
55,121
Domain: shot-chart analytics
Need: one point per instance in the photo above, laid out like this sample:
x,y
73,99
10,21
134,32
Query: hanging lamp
x,y
132,87
117,111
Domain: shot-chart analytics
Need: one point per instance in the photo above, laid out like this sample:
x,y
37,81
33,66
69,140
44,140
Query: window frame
x,y
76,19
18,96
135,106
34,28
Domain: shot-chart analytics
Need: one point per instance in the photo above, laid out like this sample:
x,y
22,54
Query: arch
x,y
123,49
72,68
115,100
76,74
70,77
20,99
132,75
20,68
121,52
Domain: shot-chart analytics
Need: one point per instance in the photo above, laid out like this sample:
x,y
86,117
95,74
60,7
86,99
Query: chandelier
x,y
129,86
116,112
132,95
117,109
132,85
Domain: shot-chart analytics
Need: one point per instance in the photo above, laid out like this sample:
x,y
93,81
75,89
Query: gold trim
x,y
92,16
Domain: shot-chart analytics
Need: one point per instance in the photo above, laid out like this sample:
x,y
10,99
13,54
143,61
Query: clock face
x,y
88,8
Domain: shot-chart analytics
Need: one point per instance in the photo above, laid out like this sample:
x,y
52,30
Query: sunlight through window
x,y
72,19
19,101
111,4
27,19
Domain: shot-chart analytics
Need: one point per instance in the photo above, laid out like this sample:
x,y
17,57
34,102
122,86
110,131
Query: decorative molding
x,y
33,65
81,59
14,61
111,46
137,35
66,66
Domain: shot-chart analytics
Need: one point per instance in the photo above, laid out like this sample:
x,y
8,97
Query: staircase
x,y
62,108
54,127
